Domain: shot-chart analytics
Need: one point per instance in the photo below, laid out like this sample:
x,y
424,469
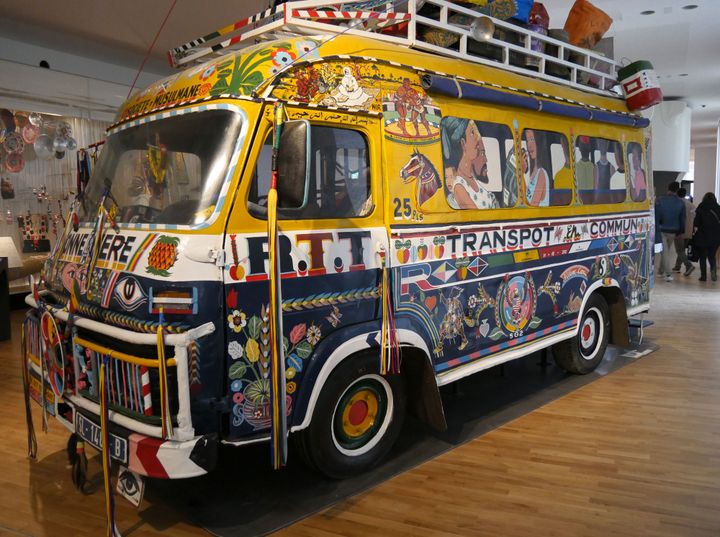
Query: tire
x,y
356,420
584,352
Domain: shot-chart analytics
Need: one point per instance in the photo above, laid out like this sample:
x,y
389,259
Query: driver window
x,y
339,177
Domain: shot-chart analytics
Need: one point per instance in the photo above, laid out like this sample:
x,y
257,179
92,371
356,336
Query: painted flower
x,y
235,350
283,57
297,333
307,49
237,321
314,335
472,301
208,72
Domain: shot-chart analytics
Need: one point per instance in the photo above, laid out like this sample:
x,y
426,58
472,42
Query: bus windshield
x,y
168,171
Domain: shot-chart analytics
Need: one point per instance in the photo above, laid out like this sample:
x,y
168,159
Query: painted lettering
x,y
357,252
316,247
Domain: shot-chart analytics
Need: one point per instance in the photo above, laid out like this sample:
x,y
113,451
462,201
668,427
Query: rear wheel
x,y
356,420
583,353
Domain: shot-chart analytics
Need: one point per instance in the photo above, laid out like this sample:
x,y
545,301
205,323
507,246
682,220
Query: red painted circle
x,y
358,412
586,332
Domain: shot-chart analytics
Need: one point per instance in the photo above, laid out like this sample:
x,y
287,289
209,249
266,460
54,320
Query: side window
x,y
479,164
339,177
546,168
599,170
636,172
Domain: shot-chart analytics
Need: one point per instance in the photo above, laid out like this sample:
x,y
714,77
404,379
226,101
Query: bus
x,y
441,210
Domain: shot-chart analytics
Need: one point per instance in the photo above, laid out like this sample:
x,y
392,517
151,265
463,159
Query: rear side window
x,y
545,159
599,170
636,172
339,177
479,163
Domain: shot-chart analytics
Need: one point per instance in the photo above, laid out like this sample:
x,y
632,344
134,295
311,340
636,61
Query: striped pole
x,y
146,391
277,370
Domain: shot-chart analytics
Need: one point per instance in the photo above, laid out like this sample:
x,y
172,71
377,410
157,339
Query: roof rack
x,y
440,27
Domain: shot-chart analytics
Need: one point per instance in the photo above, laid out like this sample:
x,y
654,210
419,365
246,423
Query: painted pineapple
x,y
163,255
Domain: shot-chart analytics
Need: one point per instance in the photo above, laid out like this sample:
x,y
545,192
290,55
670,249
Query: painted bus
x,y
442,211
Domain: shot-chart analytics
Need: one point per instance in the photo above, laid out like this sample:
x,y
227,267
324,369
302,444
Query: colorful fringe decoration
x,y
390,350
95,245
60,244
278,432
166,427
31,438
103,215
105,451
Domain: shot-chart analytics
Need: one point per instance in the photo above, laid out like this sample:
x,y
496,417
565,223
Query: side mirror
x,y
293,165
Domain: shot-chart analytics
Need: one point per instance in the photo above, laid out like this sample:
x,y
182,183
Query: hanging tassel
x,y
31,438
390,350
277,370
78,463
43,370
105,431
166,419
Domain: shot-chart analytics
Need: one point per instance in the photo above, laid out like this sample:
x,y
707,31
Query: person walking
x,y
670,216
707,234
681,241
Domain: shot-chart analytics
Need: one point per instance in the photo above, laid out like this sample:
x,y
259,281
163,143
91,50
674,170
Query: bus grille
x,y
133,390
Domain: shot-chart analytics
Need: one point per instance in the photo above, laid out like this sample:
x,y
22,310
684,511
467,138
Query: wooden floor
x,y
634,454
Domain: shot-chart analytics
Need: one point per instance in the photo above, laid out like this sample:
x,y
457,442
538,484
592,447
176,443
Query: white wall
x,y
670,122
705,171
74,86
30,54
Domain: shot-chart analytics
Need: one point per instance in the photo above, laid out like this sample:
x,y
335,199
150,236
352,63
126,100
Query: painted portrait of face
x,y
474,151
72,272
531,145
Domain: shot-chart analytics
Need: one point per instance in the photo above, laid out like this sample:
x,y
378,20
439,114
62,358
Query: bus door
x,y
330,270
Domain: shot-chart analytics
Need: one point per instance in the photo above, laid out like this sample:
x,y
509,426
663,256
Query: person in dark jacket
x,y
707,234
670,217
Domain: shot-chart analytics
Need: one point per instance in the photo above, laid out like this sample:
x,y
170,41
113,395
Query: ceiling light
x,y
683,74
690,6
647,12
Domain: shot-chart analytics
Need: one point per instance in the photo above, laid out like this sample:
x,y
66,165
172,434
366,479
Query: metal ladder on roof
x,y
436,26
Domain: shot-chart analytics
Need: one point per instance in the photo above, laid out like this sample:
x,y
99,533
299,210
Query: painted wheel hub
x,y
359,414
588,334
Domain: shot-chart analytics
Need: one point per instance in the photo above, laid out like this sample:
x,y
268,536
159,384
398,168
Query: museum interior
x,y
360,268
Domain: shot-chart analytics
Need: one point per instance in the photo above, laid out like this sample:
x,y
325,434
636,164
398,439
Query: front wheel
x,y
583,353
356,420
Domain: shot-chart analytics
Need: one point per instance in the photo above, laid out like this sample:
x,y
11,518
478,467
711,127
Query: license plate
x,y
91,433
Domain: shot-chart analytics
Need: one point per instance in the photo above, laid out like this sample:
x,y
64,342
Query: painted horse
x,y
420,168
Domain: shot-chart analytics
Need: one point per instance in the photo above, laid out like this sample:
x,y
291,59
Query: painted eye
x,y
128,483
129,294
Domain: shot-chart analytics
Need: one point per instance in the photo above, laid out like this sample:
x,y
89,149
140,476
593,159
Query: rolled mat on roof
x,y
453,87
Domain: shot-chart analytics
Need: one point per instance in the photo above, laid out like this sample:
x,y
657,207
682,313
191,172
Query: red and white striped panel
x,y
165,459
346,15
